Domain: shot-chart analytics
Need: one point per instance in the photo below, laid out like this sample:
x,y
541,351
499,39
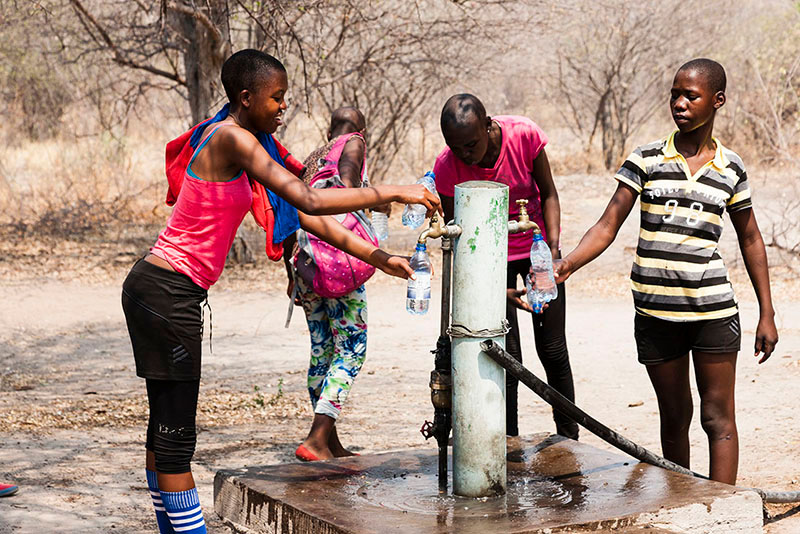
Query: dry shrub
x,y
78,187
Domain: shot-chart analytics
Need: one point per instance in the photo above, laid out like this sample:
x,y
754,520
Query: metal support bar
x,y
564,405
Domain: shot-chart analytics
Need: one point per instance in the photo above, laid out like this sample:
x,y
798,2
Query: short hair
x,y
459,110
245,70
712,71
348,116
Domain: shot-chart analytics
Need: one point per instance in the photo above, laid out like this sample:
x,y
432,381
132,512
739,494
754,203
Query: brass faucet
x,y
523,222
436,230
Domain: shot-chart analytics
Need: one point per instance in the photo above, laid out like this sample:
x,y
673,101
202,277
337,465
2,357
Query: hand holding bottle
x,y
398,266
414,213
562,269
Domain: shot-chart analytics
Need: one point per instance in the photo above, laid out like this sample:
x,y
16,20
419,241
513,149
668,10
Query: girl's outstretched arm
x,y
329,230
755,260
599,236
244,151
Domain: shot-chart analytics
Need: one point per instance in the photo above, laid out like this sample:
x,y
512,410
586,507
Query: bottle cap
x,y
421,246
537,236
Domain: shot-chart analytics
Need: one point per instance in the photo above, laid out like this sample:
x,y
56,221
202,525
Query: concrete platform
x,y
554,485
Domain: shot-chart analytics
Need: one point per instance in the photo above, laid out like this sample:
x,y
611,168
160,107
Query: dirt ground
x,y
72,412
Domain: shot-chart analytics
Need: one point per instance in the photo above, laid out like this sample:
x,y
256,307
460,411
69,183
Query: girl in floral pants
x,y
338,326
338,329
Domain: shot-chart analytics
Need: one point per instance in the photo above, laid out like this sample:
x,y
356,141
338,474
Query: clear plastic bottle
x,y
380,223
414,214
542,284
418,297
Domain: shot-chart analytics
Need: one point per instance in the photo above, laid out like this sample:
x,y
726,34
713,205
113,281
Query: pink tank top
x,y
203,223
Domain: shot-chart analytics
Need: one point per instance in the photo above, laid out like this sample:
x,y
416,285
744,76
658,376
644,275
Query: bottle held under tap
x,y
541,286
414,214
418,296
380,223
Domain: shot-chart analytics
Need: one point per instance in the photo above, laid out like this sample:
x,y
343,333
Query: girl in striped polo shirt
x,y
683,298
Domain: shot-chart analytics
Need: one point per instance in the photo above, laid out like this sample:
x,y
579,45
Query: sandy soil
x,y
72,411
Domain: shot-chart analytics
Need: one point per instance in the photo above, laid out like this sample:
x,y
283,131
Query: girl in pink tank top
x,y
163,293
203,223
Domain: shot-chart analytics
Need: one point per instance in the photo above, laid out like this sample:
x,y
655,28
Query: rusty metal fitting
x,y
441,387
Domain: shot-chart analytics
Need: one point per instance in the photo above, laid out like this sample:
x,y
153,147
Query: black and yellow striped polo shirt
x,y
678,274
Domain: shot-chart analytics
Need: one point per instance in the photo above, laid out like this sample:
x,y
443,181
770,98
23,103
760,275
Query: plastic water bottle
x,y
414,214
380,223
541,285
418,297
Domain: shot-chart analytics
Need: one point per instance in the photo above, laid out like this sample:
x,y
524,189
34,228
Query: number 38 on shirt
x,y
671,207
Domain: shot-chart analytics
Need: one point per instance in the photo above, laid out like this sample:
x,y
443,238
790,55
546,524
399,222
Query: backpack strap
x,y
330,167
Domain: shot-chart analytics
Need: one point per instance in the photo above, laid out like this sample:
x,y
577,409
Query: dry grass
x,y
217,407
66,188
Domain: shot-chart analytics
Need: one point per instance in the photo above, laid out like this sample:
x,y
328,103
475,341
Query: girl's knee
x,y
174,448
553,350
718,422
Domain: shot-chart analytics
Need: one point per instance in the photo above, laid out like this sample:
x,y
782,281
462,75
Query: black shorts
x,y
659,341
163,310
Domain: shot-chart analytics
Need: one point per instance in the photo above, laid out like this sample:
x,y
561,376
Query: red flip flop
x,y
305,455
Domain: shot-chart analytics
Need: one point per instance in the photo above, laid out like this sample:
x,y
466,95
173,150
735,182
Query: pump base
x,y
554,485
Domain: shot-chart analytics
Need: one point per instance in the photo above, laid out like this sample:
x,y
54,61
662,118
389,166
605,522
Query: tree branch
x,y
200,17
119,57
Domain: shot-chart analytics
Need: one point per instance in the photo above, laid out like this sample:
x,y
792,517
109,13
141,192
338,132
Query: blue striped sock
x,y
164,526
184,512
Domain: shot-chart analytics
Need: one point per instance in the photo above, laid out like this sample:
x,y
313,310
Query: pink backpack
x,y
331,272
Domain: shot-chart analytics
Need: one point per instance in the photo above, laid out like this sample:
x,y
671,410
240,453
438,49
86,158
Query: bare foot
x,y
341,452
336,447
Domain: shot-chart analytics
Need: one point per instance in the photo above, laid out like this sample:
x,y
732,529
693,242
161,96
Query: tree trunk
x,y
207,37
607,129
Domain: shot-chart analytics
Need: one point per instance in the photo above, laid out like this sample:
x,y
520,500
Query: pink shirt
x,y
522,142
202,225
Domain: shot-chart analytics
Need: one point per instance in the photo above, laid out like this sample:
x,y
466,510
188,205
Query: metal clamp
x,y
458,330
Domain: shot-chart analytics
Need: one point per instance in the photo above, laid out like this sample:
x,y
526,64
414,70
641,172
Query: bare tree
x,y
769,105
182,41
386,56
614,59
389,58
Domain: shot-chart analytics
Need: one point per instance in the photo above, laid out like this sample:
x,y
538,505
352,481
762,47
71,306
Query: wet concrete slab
x,y
554,485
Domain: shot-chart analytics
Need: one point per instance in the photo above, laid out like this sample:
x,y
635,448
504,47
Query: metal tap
x,y
436,230
523,222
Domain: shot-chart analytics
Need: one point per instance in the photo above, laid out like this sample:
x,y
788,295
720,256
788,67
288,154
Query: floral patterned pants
x,y
338,329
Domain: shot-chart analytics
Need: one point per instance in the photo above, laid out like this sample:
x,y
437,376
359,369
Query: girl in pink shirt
x,y
163,293
510,150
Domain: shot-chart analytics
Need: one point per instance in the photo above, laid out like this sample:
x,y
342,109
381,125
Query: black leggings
x,y
171,431
551,346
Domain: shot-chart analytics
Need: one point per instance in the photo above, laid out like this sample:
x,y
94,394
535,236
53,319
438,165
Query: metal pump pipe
x,y
479,307
441,381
